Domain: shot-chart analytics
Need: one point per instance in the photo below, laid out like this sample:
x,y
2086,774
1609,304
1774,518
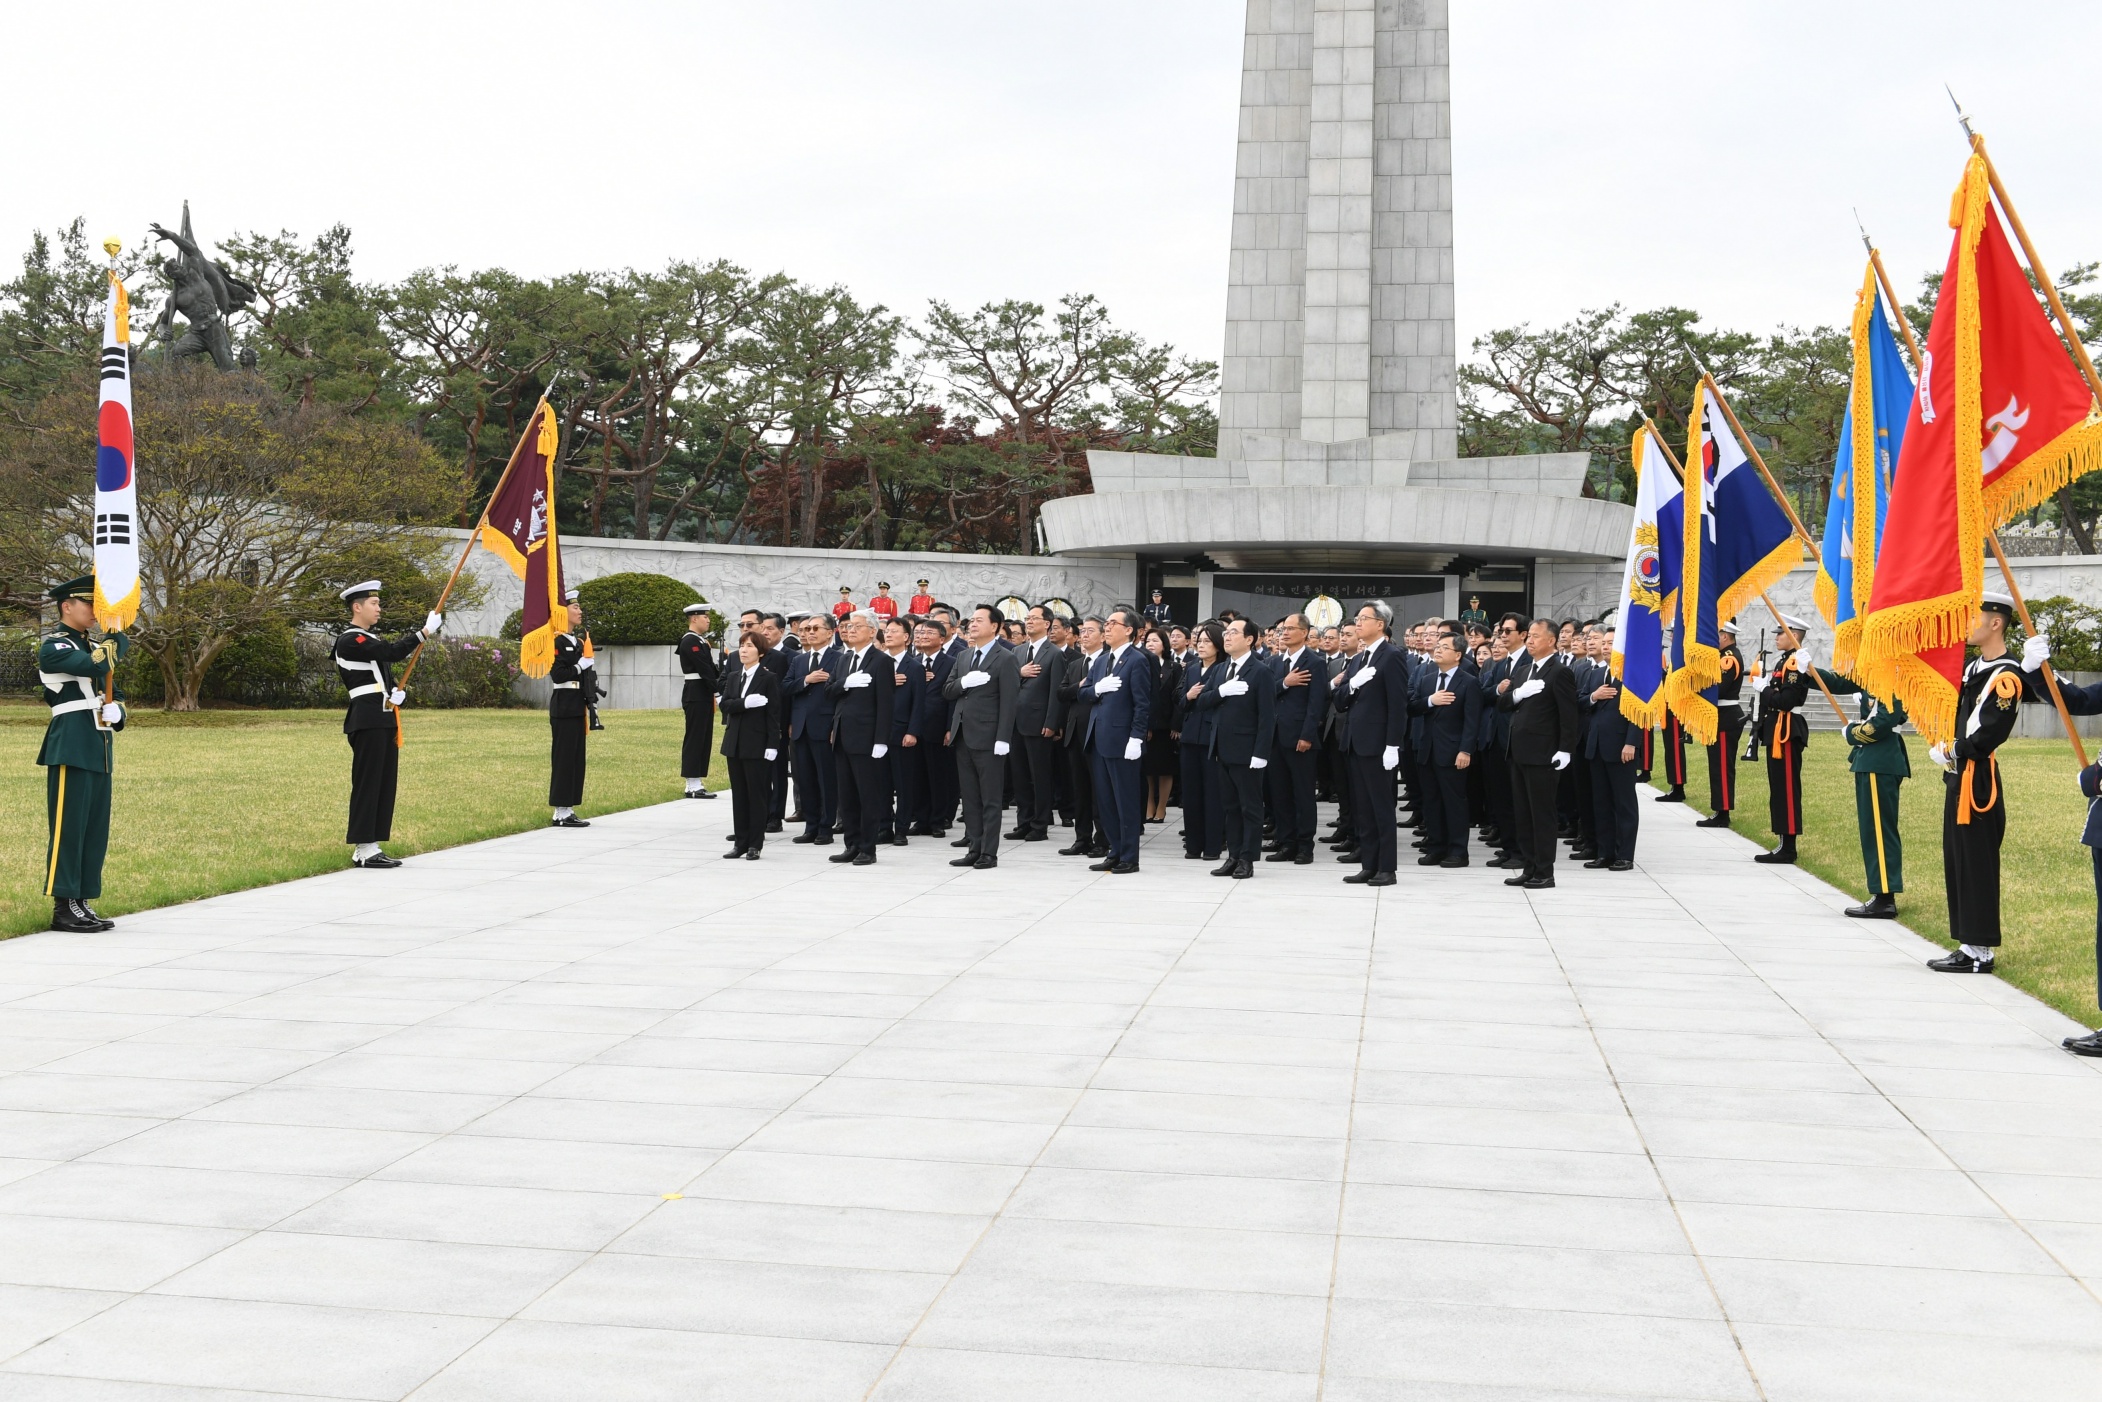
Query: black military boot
x,y
67,918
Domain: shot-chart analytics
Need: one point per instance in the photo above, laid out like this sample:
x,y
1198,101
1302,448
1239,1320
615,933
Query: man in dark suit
x,y
1540,695
1089,840
1608,746
1244,734
1494,754
862,686
927,758
777,649
810,674
981,693
1120,686
1448,699
1374,692
894,636
1302,710
1041,669
1336,741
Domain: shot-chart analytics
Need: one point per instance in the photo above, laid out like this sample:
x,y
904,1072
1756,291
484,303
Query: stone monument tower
x,y
1339,312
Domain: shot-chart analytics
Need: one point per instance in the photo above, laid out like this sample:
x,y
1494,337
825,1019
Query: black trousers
x,y
1372,786
1533,794
817,783
375,763
751,791
863,785
1587,805
1080,784
698,748
777,801
565,781
1722,761
1616,816
1290,780
1036,782
940,760
1203,817
980,776
2096,854
908,791
1496,796
1445,824
1240,808
1970,852
1784,782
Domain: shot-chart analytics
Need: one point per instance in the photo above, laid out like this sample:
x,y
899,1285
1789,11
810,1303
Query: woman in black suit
x,y
1203,815
752,723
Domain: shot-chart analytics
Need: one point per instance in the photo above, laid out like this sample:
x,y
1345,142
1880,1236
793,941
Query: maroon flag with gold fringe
x,y
519,529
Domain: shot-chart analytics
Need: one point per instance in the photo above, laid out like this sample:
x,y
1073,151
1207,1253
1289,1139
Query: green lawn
x,y
219,801
2047,885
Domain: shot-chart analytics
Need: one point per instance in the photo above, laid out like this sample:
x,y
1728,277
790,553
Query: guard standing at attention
x,y
697,700
1782,731
372,721
2080,701
1876,754
1974,811
574,686
1674,759
78,755
1729,729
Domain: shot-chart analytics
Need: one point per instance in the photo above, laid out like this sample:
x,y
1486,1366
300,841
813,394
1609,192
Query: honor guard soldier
x,y
78,755
1973,811
2080,701
371,723
573,681
1159,613
1876,754
1674,759
1729,729
697,699
922,603
883,606
1783,732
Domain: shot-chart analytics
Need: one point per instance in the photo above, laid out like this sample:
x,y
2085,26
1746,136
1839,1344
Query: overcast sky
x,y
1702,154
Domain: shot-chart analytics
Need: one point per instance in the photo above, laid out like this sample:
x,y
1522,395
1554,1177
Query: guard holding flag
x,y
78,755
1974,811
2080,701
573,687
697,700
372,721
1876,755
1729,729
1783,732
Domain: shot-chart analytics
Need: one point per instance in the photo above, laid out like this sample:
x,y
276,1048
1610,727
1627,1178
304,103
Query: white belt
x,y
564,686
68,707
1729,701
366,690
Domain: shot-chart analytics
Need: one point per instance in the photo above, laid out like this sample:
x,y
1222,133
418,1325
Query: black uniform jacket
x,y
363,659
749,734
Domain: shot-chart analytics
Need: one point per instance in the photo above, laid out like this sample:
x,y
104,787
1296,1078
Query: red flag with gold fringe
x,y
2001,420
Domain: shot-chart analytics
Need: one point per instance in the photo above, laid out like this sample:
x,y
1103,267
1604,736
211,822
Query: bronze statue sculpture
x,y
206,293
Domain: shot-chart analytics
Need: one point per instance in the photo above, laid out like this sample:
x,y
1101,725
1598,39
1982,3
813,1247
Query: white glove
x,y
1001,747
1940,755
585,664
1258,762
112,712
2035,652
857,681
1759,683
1528,689
432,622
770,753
1390,757
979,678
1364,675
1805,659
396,697
1110,683
877,751
1236,687
1561,759
756,700
1134,748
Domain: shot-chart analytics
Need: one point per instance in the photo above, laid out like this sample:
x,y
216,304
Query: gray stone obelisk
x,y
1340,354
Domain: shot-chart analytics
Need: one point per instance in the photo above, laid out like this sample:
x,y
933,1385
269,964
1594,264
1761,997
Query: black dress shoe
x,y
823,839
1358,878
1518,880
572,821
1676,795
1106,864
1622,865
863,858
1304,859
774,826
1037,835
1225,868
1076,850
704,793
1243,870
899,841
1720,820
847,856
1125,869
1957,962
961,842
733,854
1282,854
986,863
1883,907
2090,1045
1429,859
1780,856
752,855
1540,883
1195,857
968,859
1381,878
1018,835
378,861
1597,864
1348,855
1098,851
1453,863
802,838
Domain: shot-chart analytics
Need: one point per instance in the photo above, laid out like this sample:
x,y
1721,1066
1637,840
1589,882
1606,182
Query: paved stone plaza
x,y
597,1115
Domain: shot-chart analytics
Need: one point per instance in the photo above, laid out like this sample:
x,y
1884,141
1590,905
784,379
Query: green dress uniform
x,y
1877,757
78,755
1974,811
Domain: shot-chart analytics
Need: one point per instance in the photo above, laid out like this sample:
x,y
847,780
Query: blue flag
x,y
1649,583
1868,450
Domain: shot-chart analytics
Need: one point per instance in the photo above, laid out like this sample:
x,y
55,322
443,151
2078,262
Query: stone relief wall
x,y
737,577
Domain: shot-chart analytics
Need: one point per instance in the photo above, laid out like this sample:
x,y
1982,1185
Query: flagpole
x,y
1779,622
